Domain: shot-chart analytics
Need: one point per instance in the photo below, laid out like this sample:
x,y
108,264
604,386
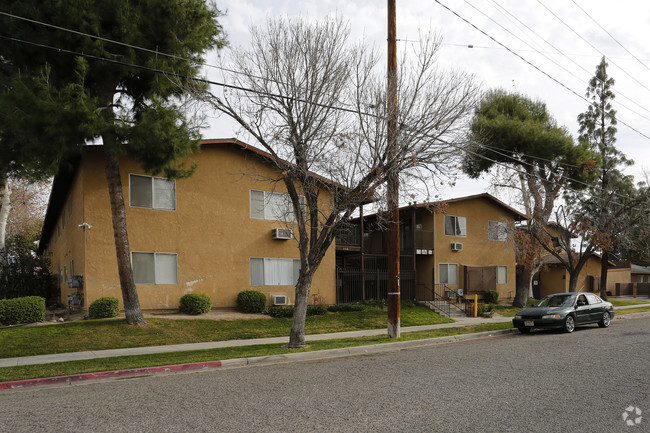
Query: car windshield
x,y
557,301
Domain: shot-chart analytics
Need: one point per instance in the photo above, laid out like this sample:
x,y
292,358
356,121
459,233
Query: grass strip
x,y
626,302
172,358
116,334
631,310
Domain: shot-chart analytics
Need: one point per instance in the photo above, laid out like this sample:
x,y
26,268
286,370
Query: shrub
x,y
484,310
491,297
531,302
195,303
338,308
312,310
251,301
22,310
104,307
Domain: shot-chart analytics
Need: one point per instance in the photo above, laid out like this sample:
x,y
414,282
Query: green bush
x,y
484,310
104,307
22,310
251,301
531,302
312,310
339,308
195,303
491,297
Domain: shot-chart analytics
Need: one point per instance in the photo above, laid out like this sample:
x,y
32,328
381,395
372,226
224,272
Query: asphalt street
x,y
546,381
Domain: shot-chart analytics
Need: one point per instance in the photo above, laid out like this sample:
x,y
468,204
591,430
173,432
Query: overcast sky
x,y
556,36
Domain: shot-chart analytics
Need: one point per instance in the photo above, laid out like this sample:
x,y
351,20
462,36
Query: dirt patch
x,y
63,315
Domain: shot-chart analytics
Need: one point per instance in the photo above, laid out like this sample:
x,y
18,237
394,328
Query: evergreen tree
x,y
87,90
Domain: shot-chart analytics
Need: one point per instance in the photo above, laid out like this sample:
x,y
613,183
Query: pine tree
x,y
83,88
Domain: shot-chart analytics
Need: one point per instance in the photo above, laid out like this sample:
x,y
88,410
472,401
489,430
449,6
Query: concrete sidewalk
x,y
78,356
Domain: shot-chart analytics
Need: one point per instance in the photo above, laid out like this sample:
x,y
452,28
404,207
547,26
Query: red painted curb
x,y
84,377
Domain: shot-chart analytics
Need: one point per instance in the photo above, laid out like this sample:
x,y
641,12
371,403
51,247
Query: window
x,y
152,192
155,268
593,299
455,226
274,272
497,231
273,206
448,273
502,274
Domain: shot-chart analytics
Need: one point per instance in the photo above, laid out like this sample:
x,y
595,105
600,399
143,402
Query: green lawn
x,y
139,361
625,302
631,310
115,333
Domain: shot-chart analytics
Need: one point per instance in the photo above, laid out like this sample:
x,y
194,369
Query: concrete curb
x,y
77,379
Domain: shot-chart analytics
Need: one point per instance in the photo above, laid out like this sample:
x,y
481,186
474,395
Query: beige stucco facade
x,y
477,248
211,231
554,278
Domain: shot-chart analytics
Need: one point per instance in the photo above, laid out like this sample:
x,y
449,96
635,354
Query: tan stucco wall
x,y
478,250
211,231
67,243
591,268
615,276
553,279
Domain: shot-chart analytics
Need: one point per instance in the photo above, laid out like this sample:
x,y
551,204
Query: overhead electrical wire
x,y
235,87
610,35
618,93
533,65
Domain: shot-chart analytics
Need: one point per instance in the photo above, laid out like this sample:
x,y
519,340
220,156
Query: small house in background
x,y
627,279
225,229
456,248
554,278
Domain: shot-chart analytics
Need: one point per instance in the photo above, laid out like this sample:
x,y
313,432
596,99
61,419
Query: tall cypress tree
x,y
597,127
88,91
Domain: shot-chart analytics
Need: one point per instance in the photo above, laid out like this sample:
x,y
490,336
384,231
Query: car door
x,y
596,306
583,310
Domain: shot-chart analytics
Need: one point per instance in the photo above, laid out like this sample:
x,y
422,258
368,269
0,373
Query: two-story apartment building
x,y
223,230
462,243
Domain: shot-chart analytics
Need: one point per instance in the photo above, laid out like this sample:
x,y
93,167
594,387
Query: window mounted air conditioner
x,y
456,246
282,234
278,299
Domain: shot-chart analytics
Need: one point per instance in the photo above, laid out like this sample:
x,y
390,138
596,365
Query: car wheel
x,y
569,324
605,321
524,330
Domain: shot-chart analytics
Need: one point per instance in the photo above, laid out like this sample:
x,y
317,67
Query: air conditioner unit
x,y
282,234
456,246
278,299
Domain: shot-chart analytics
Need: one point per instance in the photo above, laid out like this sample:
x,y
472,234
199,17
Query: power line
x,y
591,45
534,66
575,63
609,34
244,89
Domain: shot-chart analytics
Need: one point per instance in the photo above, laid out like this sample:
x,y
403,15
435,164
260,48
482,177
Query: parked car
x,y
565,311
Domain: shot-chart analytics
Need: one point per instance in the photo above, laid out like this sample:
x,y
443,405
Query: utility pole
x,y
392,180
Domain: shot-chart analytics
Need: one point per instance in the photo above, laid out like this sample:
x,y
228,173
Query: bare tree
x,y
317,103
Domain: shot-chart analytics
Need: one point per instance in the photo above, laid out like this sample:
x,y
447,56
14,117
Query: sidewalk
x,y
78,356
148,350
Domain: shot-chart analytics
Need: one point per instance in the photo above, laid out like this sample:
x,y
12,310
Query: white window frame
x,y
267,210
497,274
499,228
267,279
455,274
155,265
459,224
153,192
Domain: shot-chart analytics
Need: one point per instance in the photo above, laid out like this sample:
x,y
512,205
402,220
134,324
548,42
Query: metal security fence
x,y
353,285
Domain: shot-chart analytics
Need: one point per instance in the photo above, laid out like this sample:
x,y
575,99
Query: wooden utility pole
x,y
392,180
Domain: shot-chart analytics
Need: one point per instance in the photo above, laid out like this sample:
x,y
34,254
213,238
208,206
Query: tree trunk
x,y
5,207
603,274
573,280
523,286
127,283
297,336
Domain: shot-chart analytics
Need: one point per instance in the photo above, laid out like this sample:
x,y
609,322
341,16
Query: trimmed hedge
x,y
340,308
22,310
103,308
312,310
195,303
251,301
491,297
